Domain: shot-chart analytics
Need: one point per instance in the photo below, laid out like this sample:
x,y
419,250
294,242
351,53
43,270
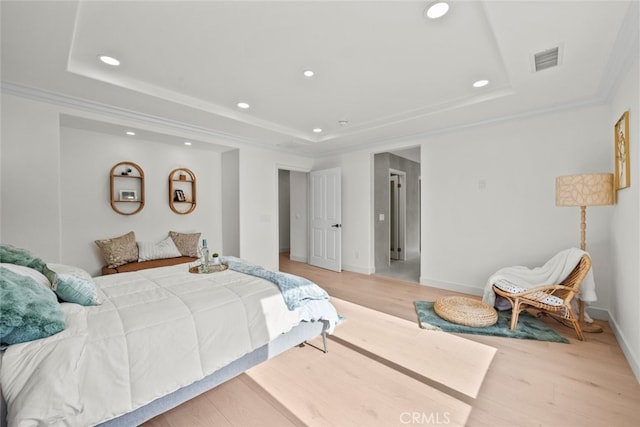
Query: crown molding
x,y
116,112
417,138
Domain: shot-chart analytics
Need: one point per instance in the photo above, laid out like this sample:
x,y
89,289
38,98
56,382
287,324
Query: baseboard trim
x,y
298,259
356,269
345,267
456,287
598,313
632,358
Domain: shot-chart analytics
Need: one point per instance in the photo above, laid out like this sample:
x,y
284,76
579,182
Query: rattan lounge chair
x,y
542,297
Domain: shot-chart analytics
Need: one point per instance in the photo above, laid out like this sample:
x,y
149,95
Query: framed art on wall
x,y
621,140
128,196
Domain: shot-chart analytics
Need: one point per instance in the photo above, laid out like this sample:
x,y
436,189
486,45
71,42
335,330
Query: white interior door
x,y
325,211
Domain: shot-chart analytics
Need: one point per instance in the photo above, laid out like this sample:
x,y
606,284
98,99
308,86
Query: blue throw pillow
x,y
72,284
30,311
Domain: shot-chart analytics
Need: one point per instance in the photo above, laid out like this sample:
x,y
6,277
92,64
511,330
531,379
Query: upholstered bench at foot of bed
x,y
135,266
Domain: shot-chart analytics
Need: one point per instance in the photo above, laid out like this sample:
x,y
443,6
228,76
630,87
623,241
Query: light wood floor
x,y
529,383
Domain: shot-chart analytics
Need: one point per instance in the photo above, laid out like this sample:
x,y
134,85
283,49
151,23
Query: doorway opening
x,y
292,214
396,213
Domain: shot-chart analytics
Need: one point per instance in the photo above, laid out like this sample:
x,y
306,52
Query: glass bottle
x,y
204,267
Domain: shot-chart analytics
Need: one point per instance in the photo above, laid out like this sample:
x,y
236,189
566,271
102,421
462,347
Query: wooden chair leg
x,y
515,312
576,324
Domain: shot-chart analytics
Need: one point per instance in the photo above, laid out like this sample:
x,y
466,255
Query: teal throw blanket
x,y
296,290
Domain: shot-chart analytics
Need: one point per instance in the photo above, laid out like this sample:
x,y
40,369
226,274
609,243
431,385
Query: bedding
x,y
156,331
29,309
295,290
12,255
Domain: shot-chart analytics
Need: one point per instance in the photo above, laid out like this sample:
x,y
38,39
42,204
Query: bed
x,y
159,337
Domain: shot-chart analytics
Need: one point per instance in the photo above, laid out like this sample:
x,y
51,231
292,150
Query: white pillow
x,y
26,271
164,249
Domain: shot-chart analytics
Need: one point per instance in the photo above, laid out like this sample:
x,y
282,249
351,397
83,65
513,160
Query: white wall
x,y
30,176
86,159
489,197
230,203
259,202
624,298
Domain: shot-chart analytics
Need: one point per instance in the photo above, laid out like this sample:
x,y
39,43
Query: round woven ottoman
x,y
465,311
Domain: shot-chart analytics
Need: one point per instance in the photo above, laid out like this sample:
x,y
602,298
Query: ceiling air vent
x,y
546,59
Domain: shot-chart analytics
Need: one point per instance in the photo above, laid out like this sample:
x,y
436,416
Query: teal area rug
x,y
529,327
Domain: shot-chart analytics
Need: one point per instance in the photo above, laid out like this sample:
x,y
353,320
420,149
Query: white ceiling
x,y
380,65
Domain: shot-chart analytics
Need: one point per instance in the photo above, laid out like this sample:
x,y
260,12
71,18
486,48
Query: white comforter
x,y
156,331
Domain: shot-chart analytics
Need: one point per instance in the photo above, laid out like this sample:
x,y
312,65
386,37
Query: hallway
x,y
408,270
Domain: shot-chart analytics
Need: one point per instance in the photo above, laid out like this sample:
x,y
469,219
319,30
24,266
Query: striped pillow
x,y
164,249
72,284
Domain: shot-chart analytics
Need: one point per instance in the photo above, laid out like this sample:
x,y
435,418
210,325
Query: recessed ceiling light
x,y
130,133
437,9
480,83
109,60
317,130
242,105
187,143
308,73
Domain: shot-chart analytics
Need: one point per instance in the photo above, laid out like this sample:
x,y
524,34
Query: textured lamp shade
x,y
592,189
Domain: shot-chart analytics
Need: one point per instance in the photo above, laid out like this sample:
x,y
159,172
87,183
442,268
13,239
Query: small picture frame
x,y
178,196
128,195
621,142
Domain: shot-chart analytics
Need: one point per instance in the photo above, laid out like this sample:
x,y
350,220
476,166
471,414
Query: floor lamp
x,y
592,189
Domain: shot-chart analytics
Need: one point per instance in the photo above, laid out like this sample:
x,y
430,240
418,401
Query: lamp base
x,y
592,328
587,327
